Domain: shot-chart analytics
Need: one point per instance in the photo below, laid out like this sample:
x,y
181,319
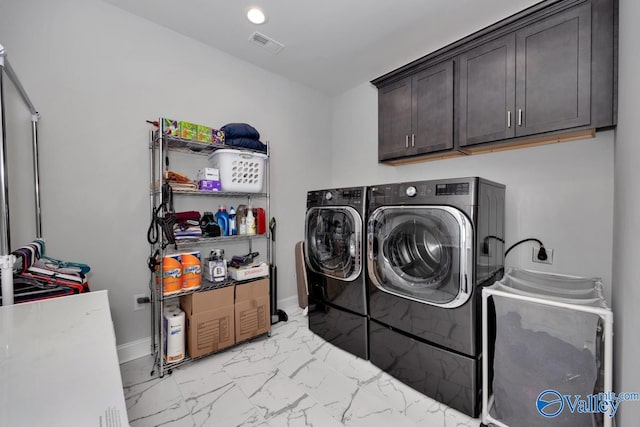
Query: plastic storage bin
x,y
240,171
548,337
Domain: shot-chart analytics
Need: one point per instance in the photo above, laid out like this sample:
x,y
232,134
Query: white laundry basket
x,y
548,339
240,171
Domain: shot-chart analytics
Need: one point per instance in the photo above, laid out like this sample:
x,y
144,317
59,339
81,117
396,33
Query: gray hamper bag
x,y
539,347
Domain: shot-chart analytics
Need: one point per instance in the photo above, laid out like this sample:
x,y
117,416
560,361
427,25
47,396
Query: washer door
x,y
333,242
422,253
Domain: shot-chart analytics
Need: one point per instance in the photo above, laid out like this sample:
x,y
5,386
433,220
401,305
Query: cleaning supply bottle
x,y
241,211
242,230
222,217
251,221
261,221
232,222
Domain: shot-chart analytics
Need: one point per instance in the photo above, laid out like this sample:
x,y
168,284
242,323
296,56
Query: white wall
x,y
560,193
96,74
626,297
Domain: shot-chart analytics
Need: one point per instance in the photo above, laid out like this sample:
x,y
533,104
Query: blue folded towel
x,y
253,144
240,130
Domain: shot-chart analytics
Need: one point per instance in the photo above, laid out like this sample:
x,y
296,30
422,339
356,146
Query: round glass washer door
x,y
422,253
334,242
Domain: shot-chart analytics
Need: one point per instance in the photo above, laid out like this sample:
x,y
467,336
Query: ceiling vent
x,y
266,42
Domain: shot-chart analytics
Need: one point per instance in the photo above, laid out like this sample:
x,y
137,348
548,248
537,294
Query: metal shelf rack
x,y
160,145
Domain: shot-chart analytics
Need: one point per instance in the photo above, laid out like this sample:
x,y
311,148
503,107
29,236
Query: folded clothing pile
x,y
36,276
179,181
187,225
243,135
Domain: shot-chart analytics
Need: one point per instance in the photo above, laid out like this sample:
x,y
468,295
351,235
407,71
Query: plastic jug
x,y
222,218
241,212
261,221
251,222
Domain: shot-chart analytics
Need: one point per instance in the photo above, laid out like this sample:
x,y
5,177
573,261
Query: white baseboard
x,y
288,302
134,350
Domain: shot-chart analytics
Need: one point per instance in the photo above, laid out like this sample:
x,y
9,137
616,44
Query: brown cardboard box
x,y
210,320
252,309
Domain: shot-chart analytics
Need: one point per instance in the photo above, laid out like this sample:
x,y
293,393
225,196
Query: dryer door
x,y
334,242
422,253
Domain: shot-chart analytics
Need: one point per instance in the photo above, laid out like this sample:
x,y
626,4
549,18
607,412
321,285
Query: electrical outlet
x,y
136,305
485,250
549,260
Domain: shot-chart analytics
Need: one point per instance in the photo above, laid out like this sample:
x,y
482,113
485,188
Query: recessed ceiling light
x,y
256,16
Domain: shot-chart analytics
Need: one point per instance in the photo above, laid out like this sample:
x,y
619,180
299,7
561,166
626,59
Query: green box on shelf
x,y
188,130
204,133
170,127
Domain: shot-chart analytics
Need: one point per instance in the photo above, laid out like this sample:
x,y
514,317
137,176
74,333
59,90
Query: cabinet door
x,y
553,69
487,92
394,120
432,109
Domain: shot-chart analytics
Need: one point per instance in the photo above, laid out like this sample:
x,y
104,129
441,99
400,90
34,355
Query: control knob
x,y
411,191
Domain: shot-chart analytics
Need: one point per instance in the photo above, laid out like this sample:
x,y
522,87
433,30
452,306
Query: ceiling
x,y
330,45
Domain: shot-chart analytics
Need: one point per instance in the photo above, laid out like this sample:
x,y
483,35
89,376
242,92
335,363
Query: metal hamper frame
x,y
605,314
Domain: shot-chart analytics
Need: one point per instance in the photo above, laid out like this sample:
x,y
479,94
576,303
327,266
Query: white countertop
x,y
59,365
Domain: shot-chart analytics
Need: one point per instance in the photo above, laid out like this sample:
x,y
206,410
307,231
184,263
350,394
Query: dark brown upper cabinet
x,y
532,81
543,74
488,92
416,114
553,73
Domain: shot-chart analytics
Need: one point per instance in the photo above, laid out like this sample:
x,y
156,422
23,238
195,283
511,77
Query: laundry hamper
x,y
240,171
549,343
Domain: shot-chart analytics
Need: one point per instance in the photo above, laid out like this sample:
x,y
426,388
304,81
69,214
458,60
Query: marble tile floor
x,y
293,378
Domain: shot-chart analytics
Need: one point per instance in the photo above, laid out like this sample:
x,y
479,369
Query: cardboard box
x,y
249,272
217,136
203,133
208,185
188,130
170,127
210,320
253,315
211,174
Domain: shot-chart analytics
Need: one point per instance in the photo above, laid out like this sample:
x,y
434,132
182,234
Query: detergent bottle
x,y
261,221
222,217
251,221
232,222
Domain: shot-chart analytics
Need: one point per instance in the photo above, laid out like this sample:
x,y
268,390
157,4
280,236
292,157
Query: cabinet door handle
x,y
509,119
406,141
413,139
519,116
